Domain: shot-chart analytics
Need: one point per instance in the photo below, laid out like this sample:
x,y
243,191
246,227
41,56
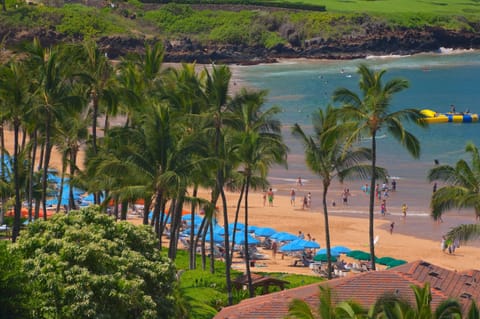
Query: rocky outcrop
x,y
375,40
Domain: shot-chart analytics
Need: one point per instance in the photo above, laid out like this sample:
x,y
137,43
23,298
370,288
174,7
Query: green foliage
x,y
13,294
86,265
72,19
86,21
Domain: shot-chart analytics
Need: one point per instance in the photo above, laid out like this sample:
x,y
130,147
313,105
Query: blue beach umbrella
x,y
312,244
265,231
324,251
252,228
239,226
292,246
240,239
219,230
216,238
284,236
341,249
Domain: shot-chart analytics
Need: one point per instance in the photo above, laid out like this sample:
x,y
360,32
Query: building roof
x,y
366,288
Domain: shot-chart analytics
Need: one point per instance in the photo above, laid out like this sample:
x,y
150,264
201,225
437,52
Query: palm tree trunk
x,y
191,249
372,203
18,202
123,215
239,202
247,255
62,183
2,165
31,173
48,151
94,122
73,166
327,229
228,261
212,249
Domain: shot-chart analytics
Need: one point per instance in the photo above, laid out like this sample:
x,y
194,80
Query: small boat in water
x,y
449,117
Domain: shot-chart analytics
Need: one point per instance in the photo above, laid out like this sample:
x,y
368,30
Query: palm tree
x,y
259,145
327,308
393,307
56,97
98,73
16,97
462,191
372,112
325,155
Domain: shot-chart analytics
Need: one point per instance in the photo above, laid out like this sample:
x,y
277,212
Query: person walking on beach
x,y
270,197
274,249
292,197
394,186
346,193
299,181
391,227
305,202
264,197
404,210
309,200
383,208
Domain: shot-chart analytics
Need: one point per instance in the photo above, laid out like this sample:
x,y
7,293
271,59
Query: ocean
x,y
437,80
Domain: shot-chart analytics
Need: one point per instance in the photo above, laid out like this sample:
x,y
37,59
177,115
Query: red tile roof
x,y
366,288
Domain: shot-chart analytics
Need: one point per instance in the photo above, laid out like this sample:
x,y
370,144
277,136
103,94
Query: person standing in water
x,y
404,210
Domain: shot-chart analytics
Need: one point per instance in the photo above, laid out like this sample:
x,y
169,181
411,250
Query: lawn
x,y
440,7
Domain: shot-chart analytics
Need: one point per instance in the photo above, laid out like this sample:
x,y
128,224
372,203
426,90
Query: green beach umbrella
x,y
384,260
359,254
323,257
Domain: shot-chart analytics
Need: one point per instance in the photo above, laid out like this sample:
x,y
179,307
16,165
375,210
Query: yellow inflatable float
x,y
435,117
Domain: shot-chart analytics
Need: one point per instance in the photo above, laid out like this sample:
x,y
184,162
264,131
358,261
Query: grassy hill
x,y
240,30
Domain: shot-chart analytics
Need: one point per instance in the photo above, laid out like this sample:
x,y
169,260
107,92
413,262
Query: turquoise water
x,y
436,81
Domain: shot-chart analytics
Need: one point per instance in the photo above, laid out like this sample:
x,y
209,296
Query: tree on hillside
x,y
369,113
86,265
326,156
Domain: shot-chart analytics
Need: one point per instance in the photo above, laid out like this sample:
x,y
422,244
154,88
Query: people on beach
x,y
404,210
274,249
394,186
309,200
264,197
301,235
299,181
292,197
305,202
270,197
383,207
345,195
334,203
392,225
